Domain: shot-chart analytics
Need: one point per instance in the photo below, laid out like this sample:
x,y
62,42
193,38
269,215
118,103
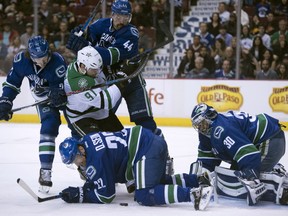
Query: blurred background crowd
x,y
212,54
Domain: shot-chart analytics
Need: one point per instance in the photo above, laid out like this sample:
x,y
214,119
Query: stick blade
x,y
27,189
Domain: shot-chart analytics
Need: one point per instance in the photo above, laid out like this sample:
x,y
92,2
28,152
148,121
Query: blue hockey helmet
x,y
202,118
38,47
68,150
121,7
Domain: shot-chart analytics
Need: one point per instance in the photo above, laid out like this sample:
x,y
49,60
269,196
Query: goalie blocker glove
x,y
5,108
255,188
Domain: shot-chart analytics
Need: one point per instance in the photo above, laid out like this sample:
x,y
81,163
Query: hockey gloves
x,y
57,97
72,195
5,108
255,188
75,42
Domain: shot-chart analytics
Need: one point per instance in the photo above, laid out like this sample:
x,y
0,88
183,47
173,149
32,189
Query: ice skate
x,y
45,180
201,197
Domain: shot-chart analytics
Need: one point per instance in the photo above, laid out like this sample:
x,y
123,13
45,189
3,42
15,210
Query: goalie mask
x,y
89,57
202,118
68,150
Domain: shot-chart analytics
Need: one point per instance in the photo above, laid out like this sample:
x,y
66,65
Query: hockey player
x,y
130,154
45,71
253,145
117,40
89,111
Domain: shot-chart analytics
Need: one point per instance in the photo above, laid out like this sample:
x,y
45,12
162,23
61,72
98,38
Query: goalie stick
x,y
145,54
34,195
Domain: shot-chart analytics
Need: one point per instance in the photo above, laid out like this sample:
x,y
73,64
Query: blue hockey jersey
x,y
110,158
113,45
237,136
40,80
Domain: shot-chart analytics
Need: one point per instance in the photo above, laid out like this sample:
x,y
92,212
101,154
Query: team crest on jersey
x,y
135,32
218,131
90,172
60,71
82,83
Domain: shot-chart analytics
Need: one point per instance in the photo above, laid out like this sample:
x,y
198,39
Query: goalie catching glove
x,y
255,188
5,108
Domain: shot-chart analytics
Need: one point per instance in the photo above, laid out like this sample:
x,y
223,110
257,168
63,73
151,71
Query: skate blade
x,y
205,197
44,189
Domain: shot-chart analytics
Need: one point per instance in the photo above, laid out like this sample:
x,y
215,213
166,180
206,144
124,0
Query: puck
x,y
124,204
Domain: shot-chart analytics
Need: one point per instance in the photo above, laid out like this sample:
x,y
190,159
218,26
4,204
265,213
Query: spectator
x,y
282,30
61,37
217,52
282,71
214,25
187,63
10,10
266,73
13,49
45,33
262,9
229,55
244,16
206,38
246,38
139,18
196,45
271,24
68,55
26,7
264,36
248,64
223,12
66,16
20,22
8,34
224,35
280,47
232,24
257,48
208,60
268,55
199,71
44,13
24,38
254,25
282,8
225,72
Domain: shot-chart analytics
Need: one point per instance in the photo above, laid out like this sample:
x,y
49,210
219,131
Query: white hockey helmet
x,y
90,57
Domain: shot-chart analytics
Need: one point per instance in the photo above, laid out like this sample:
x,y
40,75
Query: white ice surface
x,y
19,159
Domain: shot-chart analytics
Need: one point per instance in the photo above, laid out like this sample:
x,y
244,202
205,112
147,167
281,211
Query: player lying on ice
x,y
253,145
132,154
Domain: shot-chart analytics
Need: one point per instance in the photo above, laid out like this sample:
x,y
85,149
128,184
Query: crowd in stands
x,y
263,42
56,18
264,34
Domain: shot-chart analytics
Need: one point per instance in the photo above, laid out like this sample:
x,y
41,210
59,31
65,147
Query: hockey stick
x,y
31,105
145,54
90,18
34,195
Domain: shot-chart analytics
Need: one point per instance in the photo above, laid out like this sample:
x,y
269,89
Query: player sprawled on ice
x,y
45,71
132,154
253,145
117,41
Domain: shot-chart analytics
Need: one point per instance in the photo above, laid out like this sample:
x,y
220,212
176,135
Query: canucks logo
x,y
82,83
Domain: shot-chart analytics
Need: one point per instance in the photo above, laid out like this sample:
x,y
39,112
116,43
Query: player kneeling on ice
x,y
131,155
253,145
